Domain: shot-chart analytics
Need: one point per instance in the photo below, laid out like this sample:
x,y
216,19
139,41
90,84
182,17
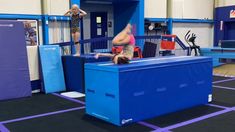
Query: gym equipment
x,y
190,38
52,69
224,26
223,60
167,45
155,28
227,44
14,70
219,54
146,88
137,51
74,70
150,49
35,105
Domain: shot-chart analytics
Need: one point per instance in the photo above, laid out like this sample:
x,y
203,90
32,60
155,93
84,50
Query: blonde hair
x,y
75,6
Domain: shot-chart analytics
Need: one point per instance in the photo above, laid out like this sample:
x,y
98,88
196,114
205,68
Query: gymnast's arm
x,y
68,13
83,13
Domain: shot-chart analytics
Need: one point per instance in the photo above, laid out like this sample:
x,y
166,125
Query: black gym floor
x,y
55,113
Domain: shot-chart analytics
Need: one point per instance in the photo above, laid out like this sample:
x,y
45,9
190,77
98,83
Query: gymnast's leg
x,y
123,37
76,37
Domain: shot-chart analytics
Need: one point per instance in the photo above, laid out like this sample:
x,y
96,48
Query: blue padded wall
x,y
228,31
14,71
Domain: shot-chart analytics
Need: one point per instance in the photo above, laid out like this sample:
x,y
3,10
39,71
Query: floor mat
x,y
230,84
177,117
37,104
219,78
75,121
83,99
221,123
223,97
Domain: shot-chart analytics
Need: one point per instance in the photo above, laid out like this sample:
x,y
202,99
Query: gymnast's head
x,y
75,9
120,59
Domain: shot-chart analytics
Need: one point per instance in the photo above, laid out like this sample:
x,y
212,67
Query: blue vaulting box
x,y
122,94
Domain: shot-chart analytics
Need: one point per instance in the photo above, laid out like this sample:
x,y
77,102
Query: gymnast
x,y
126,39
76,14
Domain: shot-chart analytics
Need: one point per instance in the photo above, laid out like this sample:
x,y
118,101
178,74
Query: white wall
x,y
20,6
59,31
155,8
96,8
33,62
175,8
220,3
204,32
55,7
40,32
229,2
191,9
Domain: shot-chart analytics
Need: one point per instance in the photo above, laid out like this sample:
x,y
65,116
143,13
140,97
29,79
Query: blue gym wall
x,y
223,14
75,2
129,11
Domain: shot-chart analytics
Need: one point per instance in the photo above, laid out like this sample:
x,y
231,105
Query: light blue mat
x,y
52,69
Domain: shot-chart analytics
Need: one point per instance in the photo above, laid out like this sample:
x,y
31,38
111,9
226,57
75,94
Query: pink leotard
x,y
132,39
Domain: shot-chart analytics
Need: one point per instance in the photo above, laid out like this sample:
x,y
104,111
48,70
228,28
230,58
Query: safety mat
x,y
219,78
220,123
184,115
37,104
75,121
224,97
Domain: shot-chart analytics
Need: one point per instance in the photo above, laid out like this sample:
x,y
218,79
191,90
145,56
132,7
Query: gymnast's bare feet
x,y
76,54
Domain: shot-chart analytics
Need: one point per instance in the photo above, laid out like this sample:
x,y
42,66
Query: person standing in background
x,y
76,14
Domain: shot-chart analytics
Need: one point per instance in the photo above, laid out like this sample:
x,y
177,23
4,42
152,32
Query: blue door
x,y
98,24
98,29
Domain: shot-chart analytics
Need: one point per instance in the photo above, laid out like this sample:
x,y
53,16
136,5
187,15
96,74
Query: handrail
x,y
93,40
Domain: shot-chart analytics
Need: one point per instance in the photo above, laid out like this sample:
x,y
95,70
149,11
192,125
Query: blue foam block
x,y
74,70
122,94
14,71
52,69
218,53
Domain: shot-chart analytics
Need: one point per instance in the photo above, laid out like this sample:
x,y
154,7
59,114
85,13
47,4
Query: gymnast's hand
x,y
97,55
